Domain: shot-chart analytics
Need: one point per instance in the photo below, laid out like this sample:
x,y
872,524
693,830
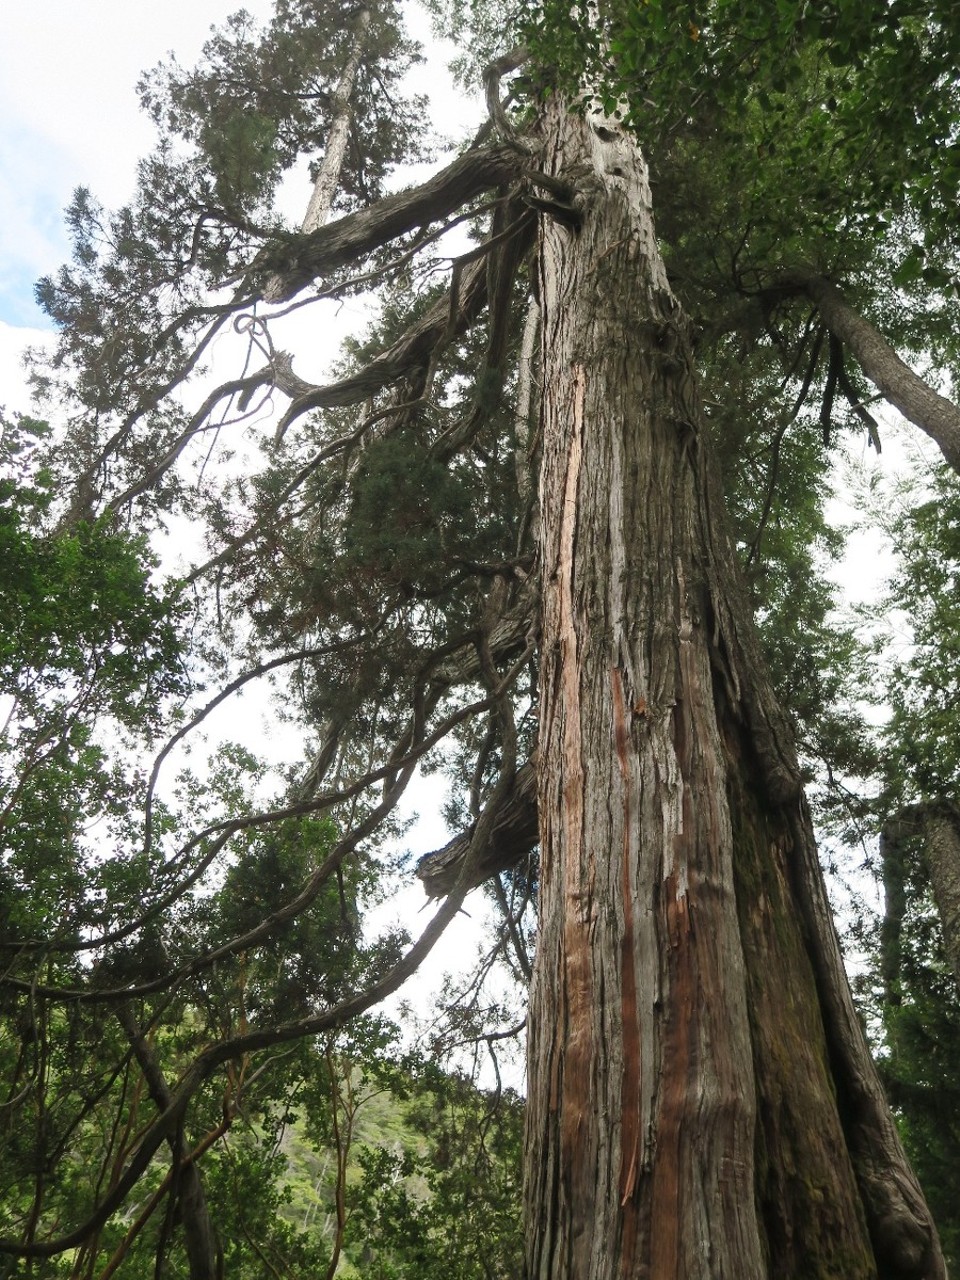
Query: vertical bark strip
x,y
700,1104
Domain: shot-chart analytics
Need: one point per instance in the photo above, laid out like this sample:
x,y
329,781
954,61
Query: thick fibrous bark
x,y
895,380
702,1103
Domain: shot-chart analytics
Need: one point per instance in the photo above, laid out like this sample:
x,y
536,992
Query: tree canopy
x,y
204,510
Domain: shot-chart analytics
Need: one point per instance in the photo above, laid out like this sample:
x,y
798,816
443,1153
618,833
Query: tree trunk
x,y
937,824
942,831
328,178
702,1102
201,1243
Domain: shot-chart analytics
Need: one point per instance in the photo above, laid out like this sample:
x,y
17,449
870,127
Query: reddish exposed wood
x,y
654,1079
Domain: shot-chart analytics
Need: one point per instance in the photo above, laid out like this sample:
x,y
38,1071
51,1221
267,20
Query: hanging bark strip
x,y
701,1101
919,403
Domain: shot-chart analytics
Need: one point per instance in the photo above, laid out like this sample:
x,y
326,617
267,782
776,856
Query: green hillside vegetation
x,y
420,1177
311,1177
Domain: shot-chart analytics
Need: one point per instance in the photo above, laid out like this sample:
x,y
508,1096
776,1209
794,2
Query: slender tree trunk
x,y
942,831
328,178
702,1103
937,824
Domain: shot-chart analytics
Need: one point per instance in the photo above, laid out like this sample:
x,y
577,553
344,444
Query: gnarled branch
x,y
292,267
513,835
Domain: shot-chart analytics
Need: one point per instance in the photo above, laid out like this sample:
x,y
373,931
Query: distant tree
x,y
496,541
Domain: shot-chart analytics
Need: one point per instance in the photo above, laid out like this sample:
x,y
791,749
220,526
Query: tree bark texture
x,y
941,829
702,1103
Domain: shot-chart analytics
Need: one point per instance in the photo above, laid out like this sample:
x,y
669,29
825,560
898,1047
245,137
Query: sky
x,y
69,117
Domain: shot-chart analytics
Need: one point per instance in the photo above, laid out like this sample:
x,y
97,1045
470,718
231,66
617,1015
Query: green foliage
x,y
413,519
777,479
787,136
247,1183
923,1085
90,664
260,99
452,1202
131,306
77,606
78,1104
923,739
89,650
311,957
845,62
915,998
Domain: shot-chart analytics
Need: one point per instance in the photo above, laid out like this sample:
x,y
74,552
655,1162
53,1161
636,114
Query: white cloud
x,y
69,115
14,340
68,70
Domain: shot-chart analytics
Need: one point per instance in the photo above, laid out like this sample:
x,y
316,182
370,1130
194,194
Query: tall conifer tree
x,y
499,533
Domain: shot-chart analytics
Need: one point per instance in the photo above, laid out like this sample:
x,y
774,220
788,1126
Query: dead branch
x,y
319,254
513,836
